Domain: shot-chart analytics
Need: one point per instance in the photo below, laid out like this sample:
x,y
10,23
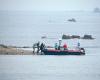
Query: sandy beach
x,y
14,51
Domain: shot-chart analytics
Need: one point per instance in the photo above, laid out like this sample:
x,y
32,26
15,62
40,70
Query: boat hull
x,y
60,52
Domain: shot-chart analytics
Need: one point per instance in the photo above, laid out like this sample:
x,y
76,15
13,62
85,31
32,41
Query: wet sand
x,y
14,51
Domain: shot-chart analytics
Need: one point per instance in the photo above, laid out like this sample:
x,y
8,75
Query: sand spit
x,y
14,51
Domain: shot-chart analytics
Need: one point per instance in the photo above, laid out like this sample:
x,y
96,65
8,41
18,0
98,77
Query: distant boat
x,y
72,20
70,36
97,10
43,37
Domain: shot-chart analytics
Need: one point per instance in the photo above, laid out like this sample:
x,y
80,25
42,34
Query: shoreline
x,y
15,51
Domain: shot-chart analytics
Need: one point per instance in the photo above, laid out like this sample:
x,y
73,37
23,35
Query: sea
x,y
24,28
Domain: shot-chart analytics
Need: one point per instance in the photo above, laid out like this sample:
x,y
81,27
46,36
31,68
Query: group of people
x,y
39,47
65,46
57,47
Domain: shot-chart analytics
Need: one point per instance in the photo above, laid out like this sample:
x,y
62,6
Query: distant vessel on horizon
x,y
72,20
96,10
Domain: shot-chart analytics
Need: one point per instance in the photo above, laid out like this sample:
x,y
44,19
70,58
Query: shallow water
x,y
17,67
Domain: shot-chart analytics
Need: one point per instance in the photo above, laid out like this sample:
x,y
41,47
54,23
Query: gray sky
x,y
49,5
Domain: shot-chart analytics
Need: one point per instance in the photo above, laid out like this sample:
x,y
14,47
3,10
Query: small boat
x,y
96,10
63,52
72,20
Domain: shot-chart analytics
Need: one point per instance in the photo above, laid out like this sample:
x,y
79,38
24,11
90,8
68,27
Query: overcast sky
x,y
49,5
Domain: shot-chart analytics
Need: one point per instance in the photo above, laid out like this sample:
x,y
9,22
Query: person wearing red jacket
x,y
65,46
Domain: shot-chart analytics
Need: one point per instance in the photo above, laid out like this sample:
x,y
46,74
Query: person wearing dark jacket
x,y
42,46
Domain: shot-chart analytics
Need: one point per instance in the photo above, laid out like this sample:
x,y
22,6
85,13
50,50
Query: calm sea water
x,y
25,28
51,67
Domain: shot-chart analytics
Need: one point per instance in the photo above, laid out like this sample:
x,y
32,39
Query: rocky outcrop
x,y
77,37
87,37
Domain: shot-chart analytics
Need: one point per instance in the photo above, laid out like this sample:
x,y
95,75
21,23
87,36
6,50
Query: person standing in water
x,y
38,47
34,48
